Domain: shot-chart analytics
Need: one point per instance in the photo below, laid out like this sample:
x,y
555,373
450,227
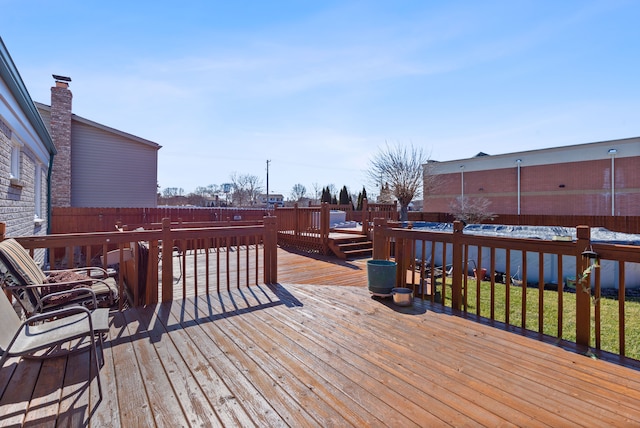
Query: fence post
x,y
167,261
296,220
270,256
365,217
325,213
583,289
456,275
379,240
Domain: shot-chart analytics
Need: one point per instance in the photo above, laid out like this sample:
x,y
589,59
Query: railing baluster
x,y
479,278
218,264
465,278
524,289
621,308
597,309
507,287
560,297
541,292
493,282
207,269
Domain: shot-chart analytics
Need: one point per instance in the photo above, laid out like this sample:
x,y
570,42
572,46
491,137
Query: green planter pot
x,y
381,276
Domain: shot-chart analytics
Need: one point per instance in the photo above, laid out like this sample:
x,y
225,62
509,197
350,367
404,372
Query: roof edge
x,y
11,76
104,127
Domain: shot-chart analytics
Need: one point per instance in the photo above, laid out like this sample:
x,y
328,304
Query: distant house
x,y
97,166
26,155
601,178
272,200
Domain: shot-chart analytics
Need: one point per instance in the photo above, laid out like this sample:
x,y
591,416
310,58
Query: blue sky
x,y
319,87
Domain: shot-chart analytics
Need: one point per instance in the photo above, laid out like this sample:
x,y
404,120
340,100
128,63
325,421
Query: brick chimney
x,y
61,135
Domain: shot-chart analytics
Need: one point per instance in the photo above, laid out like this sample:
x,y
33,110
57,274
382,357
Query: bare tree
x,y
214,189
245,189
471,210
400,168
172,191
317,190
333,191
254,188
201,191
298,192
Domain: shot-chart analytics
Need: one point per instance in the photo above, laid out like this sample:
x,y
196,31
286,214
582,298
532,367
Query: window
x,y
16,162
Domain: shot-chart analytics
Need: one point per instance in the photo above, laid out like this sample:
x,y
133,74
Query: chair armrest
x,y
71,310
87,269
66,311
78,291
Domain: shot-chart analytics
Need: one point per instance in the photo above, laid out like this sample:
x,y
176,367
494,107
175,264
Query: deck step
x,y
351,247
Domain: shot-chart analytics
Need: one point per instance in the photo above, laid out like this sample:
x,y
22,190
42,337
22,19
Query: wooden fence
x,y
427,259
75,220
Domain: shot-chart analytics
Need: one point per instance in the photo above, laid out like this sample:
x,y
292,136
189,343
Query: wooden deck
x,y
311,354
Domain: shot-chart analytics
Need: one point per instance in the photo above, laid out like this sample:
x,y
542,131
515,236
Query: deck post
x,y
379,239
456,275
325,213
167,261
270,256
402,258
583,288
365,217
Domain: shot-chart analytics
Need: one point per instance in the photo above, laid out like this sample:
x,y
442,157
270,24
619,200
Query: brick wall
x,y
17,203
61,135
574,188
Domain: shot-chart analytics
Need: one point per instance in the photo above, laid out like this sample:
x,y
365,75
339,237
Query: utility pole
x,y
268,162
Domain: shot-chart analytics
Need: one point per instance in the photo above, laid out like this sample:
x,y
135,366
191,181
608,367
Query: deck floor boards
x,y
316,350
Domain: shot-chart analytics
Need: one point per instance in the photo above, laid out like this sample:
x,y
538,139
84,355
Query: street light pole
x,y
612,153
518,162
462,187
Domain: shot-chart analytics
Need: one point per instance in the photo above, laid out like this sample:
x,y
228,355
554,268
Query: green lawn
x,y
609,309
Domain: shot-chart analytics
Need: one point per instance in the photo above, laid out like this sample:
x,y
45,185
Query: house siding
x,y
110,170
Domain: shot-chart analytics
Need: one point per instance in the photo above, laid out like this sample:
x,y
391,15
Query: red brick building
x,y
600,178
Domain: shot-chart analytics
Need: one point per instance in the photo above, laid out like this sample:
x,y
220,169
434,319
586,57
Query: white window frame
x,y
16,162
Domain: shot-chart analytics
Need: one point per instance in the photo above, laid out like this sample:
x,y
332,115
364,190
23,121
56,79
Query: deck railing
x,y
153,280
304,228
308,228
368,212
428,259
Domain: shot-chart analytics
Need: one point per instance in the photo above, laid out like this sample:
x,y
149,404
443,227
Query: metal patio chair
x,y
26,338
29,284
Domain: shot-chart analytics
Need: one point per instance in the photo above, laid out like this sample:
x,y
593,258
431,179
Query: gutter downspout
x,y
49,173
